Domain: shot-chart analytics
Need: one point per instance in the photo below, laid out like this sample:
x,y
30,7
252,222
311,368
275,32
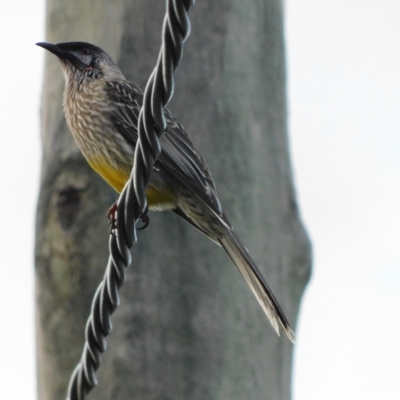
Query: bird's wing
x,y
179,155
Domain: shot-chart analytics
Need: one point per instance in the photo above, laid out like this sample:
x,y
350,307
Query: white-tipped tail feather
x,y
248,268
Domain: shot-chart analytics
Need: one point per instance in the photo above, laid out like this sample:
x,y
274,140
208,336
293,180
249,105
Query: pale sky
x,y
344,119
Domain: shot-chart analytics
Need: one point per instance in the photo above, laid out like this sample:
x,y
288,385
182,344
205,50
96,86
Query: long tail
x,y
248,268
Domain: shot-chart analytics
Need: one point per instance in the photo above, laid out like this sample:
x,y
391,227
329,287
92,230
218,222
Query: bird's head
x,y
83,62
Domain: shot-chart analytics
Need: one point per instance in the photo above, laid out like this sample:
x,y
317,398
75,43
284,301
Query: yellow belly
x,y
117,179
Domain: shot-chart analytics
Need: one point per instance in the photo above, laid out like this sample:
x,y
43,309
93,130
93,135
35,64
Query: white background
x,y
344,118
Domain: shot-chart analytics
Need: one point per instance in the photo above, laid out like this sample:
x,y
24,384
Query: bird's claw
x,y
112,219
146,220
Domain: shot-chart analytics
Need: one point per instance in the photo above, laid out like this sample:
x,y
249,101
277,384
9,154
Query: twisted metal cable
x,y
132,203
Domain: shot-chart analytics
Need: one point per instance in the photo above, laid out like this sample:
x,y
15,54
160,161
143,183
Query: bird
x,y
102,110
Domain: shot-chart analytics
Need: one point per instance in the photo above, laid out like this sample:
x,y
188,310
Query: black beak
x,y
63,54
53,48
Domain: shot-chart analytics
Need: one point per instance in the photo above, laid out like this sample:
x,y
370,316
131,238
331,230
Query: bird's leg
x,y
111,216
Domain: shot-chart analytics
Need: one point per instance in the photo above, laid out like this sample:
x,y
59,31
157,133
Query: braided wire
x,y
132,203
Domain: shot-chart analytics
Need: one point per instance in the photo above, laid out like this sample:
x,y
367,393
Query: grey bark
x,y
188,326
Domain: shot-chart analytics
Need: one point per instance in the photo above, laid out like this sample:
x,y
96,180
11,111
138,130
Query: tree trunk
x,y
188,326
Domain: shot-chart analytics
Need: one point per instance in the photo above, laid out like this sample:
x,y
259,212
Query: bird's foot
x,y
146,220
112,219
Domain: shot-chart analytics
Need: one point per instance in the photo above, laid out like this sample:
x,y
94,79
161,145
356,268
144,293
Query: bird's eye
x,y
86,52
